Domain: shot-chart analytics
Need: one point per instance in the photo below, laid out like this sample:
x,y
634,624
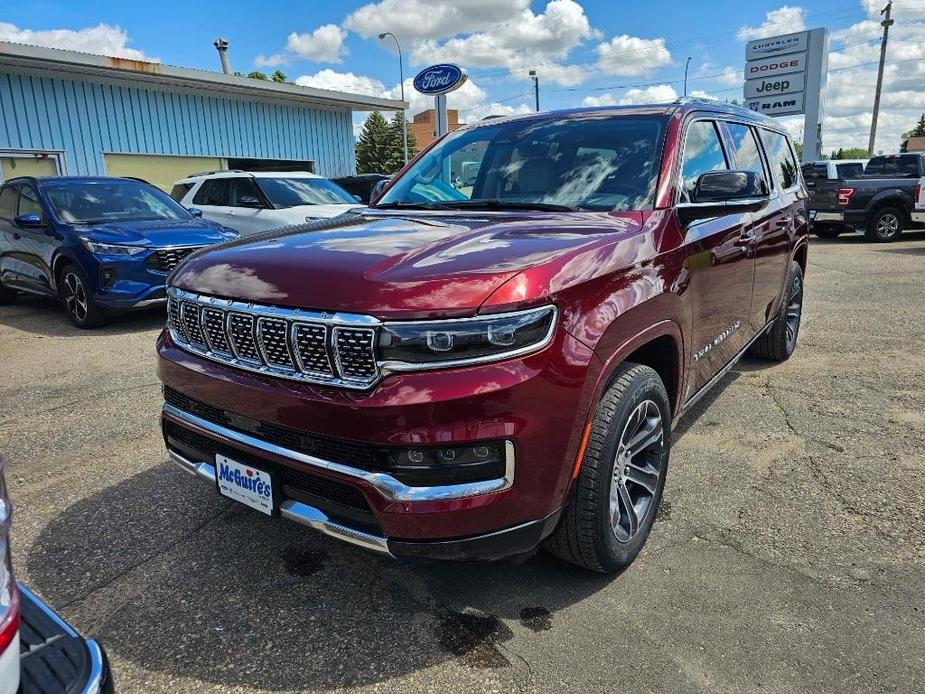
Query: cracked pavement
x,y
789,553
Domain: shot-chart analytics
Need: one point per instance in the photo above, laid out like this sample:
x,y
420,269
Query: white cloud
x,y
324,45
657,94
605,99
525,41
103,39
431,19
342,82
631,55
783,20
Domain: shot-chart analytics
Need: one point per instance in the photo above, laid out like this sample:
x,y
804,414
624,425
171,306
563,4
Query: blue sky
x,y
585,51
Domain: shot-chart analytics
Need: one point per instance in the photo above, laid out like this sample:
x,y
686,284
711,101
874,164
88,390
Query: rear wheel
x,y
7,295
780,339
78,300
622,475
827,231
885,225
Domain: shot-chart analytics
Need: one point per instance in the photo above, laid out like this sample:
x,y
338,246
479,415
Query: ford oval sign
x,y
440,79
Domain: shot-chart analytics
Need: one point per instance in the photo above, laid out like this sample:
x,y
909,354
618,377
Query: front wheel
x,y
885,225
78,299
622,475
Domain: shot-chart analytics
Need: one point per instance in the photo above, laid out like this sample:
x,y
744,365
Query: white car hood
x,y
319,211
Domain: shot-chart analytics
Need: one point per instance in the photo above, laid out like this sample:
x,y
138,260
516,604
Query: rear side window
x,y
815,172
242,192
748,156
703,152
180,190
212,192
8,202
781,157
893,166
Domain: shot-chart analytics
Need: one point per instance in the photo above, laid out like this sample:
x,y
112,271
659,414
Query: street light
x,y
686,65
401,77
536,88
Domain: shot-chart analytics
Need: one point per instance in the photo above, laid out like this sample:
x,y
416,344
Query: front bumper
x,y
532,403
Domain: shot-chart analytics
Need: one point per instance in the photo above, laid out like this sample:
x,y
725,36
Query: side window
x,y
747,153
781,158
8,202
29,202
703,152
180,190
212,192
243,192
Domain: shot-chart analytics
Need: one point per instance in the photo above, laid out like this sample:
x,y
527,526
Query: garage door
x,y
158,170
27,165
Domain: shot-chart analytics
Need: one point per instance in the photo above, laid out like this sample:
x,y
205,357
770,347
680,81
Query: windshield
x,y
116,201
289,192
588,163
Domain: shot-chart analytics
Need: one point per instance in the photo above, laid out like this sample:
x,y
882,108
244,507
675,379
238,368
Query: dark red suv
x,y
492,355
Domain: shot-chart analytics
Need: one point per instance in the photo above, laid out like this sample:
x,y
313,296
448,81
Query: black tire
x,y
586,534
79,305
7,296
885,225
780,340
827,231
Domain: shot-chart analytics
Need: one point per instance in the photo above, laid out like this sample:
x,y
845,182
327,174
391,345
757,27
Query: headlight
x,y
409,346
110,248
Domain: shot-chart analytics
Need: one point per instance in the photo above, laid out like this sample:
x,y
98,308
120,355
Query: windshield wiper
x,y
498,204
400,205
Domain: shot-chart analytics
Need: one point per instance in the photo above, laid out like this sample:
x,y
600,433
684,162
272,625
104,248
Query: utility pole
x,y
686,65
886,24
536,88
221,45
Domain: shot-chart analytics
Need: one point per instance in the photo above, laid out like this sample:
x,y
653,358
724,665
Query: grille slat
x,y
283,342
167,259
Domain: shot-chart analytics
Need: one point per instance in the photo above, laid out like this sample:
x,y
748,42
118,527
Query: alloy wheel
x,y
636,470
794,312
75,297
887,225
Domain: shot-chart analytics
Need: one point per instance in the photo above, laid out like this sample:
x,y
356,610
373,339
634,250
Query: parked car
x,y
257,201
40,653
464,377
361,186
881,201
101,245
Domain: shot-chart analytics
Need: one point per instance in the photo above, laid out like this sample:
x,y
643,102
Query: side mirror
x,y
717,193
377,189
29,221
195,211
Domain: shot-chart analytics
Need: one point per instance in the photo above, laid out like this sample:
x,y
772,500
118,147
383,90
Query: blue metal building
x,y
79,114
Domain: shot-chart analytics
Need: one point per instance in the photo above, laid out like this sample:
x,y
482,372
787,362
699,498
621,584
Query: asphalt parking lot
x,y
789,554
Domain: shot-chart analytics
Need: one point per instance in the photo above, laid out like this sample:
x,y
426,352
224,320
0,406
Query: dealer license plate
x,y
244,483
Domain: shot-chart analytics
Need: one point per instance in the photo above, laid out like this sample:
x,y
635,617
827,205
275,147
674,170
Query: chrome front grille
x,y
332,349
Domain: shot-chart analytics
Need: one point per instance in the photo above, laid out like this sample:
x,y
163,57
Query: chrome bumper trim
x,y
296,511
391,488
95,678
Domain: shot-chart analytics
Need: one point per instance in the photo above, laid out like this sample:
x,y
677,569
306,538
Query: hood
x,y
392,264
157,233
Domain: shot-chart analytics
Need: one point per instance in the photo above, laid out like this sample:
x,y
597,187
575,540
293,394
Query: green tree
x,y
257,75
798,146
850,153
396,158
917,131
373,145
279,76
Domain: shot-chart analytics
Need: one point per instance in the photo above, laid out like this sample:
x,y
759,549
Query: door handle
x,y
784,222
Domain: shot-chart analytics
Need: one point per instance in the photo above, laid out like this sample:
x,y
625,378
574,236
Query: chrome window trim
x,y
389,487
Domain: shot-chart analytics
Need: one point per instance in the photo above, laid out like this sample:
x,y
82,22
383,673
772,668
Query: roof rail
x,y
209,173
707,101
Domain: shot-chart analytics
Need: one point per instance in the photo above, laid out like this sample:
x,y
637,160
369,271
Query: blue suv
x,y
103,245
